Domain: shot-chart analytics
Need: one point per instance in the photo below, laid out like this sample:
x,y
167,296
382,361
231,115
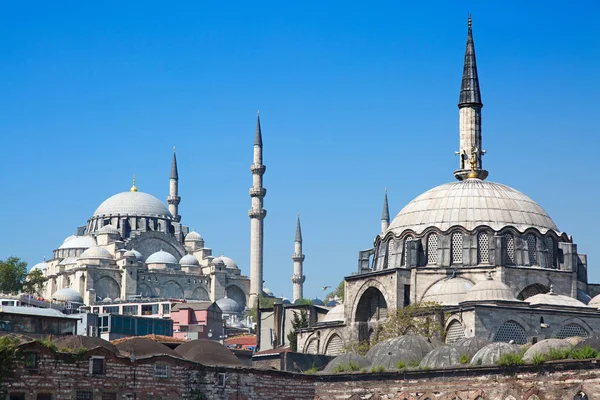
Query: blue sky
x,y
354,97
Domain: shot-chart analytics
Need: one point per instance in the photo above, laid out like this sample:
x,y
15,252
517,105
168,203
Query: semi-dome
x,y
67,294
41,266
109,230
229,306
553,299
189,261
68,261
335,314
490,290
449,291
78,242
472,203
133,203
161,257
595,302
96,253
193,236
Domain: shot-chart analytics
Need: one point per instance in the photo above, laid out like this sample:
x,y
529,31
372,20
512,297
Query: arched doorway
x,y
371,308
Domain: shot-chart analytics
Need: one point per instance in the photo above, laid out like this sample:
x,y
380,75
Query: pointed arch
x,y
334,345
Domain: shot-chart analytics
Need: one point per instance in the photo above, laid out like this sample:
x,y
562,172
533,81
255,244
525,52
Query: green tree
x,y
304,302
34,284
337,293
8,355
300,320
425,318
13,272
263,302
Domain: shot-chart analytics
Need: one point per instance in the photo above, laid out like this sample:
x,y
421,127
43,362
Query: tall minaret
x,y
298,258
385,215
173,199
469,107
257,214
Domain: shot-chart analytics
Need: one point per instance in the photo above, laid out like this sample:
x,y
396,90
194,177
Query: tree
x,y
263,302
300,320
337,293
34,284
8,355
424,318
13,272
304,302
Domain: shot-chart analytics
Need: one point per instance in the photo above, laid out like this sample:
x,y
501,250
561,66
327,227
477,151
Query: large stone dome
x,y
472,203
133,203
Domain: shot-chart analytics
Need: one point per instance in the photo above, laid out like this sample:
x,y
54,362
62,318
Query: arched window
x,y
511,330
432,247
457,248
334,346
371,306
508,248
312,347
454,332
406,241
572,330
550,254
532,290
532,249
483,248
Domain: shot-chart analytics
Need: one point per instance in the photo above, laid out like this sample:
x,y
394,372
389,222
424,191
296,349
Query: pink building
x,y
197,320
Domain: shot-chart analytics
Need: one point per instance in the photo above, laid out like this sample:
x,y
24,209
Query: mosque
x,y
495,260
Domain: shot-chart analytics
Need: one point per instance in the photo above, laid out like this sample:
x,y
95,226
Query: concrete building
x,y
195,320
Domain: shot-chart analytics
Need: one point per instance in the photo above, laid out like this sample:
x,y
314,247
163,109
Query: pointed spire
x,y
469,90
258,136
174,174
298,231
133,187
385,215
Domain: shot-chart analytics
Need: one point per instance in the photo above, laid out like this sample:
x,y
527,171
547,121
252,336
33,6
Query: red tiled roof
x,y
246,340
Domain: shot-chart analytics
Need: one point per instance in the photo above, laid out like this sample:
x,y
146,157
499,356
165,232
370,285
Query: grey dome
x,y
96,253
67,294
285,300
490,354
229,263
553,299
418,344
544,346
471,203
490,290
268,292
133,203
142,347
41,266
229,306
161,257
69,238
390,358
442,357
79,242
189,261
470,346
193,236
207,352
335,314
449,291
109,230
345,360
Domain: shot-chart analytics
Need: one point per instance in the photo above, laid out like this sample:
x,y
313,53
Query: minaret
x,y
385,215
298,258
469,106
173,199
257,214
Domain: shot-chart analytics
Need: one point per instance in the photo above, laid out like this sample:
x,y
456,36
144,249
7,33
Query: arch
x,y
572,330
145,290
531,240
483,248
172,290
550,245
511,331
334,345
200,294
454,332
508,248
371,306
432,248
236,293
406,240
580,395
456,249
106,286
312,347
532,290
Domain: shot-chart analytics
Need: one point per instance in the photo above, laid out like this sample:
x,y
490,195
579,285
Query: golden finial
x,y
473,174
133,187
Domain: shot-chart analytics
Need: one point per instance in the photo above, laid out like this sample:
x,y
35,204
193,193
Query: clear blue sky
x,y
354,97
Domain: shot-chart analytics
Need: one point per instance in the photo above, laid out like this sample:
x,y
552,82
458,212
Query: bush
x,y
339,369
538,359
510,360
557,354
400,365
351,366
378,369
413,364
49,344
464,358
311,370
583,353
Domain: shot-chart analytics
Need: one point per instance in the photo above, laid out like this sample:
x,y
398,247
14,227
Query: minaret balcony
x,y
298,279
260,192
258,169
173,199
298,257
258,214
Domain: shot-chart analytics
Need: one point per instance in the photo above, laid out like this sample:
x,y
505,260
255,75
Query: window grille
x,y
508,246
457,248
83,395
406,241
390,250
483,248
550,248
97,366
455,332
432,247
532,249
334,346
161,371
571,330
109,396
511,330
532,290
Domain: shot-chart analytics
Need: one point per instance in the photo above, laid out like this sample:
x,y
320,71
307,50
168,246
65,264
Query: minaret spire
x,y
298,278
470,105
173,199
257,214
385,215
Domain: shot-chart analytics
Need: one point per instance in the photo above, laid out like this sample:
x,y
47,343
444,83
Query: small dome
x,y
78,342
390,358
470,346
68,261
345,360
136,253
544,346
490,354
553,299
133,203
161,257
285,300
41,266
418,344
69,238
318,302
217,262
229,263
229,306
109,230
335,314
96,253
79,242
332,303
208,352
193,236
142,347
107,300
189,261
67,294
448,292
490,290
441,357
268,292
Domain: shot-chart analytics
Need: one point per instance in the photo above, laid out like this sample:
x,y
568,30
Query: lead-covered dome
x,y
78,242
490,290
133,203
161,257
472,203
67,294
449,291
189,261
96,253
